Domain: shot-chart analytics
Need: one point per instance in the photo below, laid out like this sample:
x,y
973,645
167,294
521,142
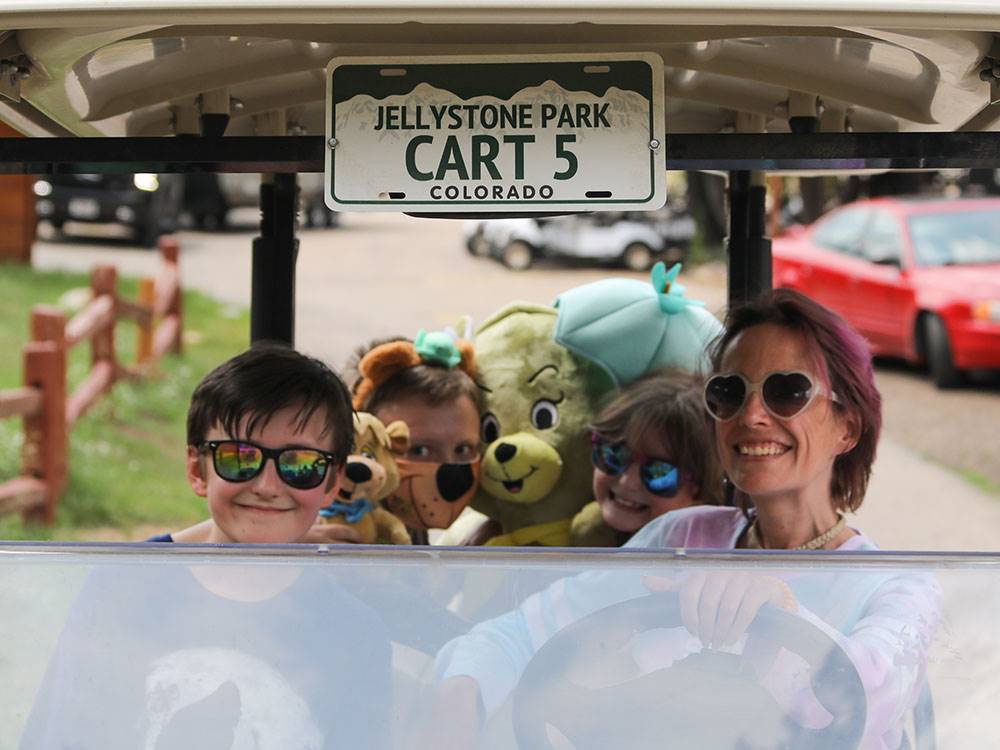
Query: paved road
x,y
423,278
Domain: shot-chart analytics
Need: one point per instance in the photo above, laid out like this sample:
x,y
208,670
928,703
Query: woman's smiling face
x,y
764,455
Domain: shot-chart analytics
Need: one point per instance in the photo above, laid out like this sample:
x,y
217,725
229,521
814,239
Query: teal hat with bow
x,y
629,327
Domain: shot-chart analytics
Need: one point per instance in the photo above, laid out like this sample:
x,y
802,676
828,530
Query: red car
x,y
920,278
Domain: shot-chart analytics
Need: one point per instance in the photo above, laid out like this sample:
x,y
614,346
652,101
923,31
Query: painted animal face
x,y
431,495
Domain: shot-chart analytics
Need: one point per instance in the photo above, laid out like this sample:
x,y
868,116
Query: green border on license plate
x,y
448,134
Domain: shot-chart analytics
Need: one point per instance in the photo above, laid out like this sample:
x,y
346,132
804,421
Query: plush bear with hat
x,y
546,372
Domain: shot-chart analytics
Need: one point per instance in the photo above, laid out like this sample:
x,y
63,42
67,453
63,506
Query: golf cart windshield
x,y
95,637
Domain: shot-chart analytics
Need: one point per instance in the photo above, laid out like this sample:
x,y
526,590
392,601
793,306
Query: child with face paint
x,y
652,453
429,384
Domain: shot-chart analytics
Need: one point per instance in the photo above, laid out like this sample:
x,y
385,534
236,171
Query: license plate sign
x,y
496,134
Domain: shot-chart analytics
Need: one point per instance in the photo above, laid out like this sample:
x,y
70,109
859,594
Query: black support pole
x,y
738,192
272,300
748,247
758,243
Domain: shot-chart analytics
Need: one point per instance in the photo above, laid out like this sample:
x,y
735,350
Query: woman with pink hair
x,y
796,418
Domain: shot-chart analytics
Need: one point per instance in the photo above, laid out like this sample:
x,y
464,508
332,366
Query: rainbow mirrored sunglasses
x,y
659,477
241,461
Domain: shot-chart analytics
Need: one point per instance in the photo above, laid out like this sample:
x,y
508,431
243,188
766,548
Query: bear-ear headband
x,y
435,348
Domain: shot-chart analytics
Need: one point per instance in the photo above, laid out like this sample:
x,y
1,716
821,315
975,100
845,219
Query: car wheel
x,y
476,244
638,256
148,232
517,255
314,218
480,247
674,254
939,356
316,215
212,222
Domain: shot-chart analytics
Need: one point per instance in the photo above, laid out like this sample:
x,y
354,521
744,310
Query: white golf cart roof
x,y
140,68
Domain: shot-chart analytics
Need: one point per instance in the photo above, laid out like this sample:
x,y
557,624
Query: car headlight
x,y
42,188
147,182
987,310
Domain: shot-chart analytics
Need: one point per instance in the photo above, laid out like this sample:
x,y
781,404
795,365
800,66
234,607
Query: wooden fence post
x,y
45,452
144,344
46,437
104,280
45,434
48,323
170,250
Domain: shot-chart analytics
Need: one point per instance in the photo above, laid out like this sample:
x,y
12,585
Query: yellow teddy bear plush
x,y
371,476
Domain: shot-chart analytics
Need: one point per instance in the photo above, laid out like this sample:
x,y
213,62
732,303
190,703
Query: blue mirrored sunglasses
x,y
659,477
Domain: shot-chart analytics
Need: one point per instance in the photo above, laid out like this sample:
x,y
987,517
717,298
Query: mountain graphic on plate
x,y
543,141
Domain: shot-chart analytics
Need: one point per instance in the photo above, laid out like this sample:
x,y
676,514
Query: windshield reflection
x,y
571,649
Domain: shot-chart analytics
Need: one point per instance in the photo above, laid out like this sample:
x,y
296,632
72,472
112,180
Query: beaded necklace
x,y
755,542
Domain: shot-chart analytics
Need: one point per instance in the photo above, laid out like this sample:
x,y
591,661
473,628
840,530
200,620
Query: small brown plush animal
x,y
371,476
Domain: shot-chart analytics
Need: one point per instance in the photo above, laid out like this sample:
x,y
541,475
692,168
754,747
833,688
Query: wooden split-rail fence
x,y
48,411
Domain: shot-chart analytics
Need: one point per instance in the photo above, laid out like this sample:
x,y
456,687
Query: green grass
x,y
126,456
980,481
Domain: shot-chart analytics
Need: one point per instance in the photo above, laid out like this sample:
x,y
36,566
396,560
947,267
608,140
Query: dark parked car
x,y
147,203
920,278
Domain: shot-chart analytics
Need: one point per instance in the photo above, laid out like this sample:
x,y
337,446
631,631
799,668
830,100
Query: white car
x,y
628,239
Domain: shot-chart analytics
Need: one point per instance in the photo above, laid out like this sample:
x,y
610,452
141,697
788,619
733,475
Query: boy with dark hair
x,y
263,380
223,651
268,433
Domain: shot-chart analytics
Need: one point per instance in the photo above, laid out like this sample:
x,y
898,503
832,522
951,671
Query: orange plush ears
x,y
437,349
468,361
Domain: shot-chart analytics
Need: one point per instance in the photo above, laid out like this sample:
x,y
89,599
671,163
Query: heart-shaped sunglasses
x,y
785,394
